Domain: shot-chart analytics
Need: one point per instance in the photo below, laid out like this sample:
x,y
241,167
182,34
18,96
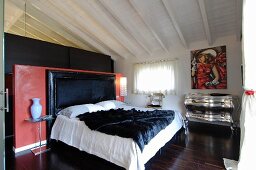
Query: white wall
x,y
175,102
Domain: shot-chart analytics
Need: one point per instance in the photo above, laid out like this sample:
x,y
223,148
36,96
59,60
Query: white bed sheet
x,y
120,151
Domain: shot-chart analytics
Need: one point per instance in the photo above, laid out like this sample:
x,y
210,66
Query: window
x,y
155,77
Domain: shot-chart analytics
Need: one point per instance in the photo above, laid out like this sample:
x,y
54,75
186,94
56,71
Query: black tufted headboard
x,y
73,88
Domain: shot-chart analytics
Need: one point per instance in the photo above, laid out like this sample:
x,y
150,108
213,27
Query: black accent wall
x,y
79,59
27,51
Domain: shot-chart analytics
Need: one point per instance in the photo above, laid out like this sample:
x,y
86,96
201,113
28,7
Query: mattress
x,y
123,152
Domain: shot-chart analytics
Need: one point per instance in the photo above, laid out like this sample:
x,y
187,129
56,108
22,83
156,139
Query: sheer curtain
x,y
155,77
248,140
248,115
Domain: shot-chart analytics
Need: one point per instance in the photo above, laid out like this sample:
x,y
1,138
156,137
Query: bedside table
x,y
41,148
154,106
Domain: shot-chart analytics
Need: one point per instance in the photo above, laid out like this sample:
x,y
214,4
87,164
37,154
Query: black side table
x,y
41,148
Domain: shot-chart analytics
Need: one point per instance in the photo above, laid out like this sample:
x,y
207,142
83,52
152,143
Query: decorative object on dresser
x,y
36,108
156,100
212,108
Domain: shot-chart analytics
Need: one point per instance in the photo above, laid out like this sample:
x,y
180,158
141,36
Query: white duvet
x,y
120,151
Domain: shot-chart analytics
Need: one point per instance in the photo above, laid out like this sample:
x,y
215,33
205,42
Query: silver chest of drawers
x,y
210,108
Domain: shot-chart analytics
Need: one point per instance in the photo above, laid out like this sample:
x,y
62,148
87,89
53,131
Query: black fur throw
x,y
139,125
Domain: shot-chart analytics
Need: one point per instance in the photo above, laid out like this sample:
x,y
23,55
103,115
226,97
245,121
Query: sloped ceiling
x,y
125,28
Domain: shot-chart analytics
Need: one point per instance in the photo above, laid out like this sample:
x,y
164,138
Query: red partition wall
x,y
30,82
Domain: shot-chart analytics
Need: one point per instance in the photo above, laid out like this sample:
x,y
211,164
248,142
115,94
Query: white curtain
x,y
247,158
248,139
155,77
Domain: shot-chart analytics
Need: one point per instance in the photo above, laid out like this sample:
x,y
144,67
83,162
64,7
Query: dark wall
x,y
81,60
27,51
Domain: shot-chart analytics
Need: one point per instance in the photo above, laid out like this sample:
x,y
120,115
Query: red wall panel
x,y
30,82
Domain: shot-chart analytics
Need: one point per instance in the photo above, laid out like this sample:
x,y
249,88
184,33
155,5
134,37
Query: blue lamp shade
x,y
123,86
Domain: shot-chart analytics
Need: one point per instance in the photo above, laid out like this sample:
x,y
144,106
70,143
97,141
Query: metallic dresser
x,y
212,108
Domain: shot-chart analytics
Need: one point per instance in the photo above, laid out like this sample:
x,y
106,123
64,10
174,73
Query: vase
x,y
36,108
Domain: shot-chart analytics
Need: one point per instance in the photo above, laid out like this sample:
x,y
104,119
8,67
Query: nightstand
x,y
154,106
41,148
156,100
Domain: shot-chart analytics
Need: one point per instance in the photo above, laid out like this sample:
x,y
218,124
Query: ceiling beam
x,y
21,31
28,29
11,31
12,14
239,6
44,29
93,33
96,18
32,29
54,25
157,37
205,21
48,10
175,22
104,4
15,31
99,12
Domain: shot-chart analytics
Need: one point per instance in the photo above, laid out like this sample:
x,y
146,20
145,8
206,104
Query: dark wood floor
x,y
202,148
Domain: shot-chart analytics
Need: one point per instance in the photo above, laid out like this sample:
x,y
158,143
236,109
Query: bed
x,y
121,151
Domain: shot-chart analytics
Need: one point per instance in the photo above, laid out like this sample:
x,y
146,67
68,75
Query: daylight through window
x,y
155,77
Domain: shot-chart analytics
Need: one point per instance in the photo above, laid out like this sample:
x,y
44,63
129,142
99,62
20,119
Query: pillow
x,y
117,103
95,108
106,104
74,111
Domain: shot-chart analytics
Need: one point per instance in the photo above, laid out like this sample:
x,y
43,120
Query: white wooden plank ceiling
x,y
125,28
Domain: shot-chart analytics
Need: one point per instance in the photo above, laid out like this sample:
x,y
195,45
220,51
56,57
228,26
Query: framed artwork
x,y
209,68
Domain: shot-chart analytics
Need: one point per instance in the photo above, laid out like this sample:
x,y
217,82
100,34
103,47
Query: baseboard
x,y
23,148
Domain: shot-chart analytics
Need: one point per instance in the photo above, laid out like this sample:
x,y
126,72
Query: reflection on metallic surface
x,y
212,108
